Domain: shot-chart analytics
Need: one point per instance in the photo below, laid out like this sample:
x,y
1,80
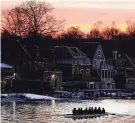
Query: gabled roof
x,y
69,52
62,52
89,48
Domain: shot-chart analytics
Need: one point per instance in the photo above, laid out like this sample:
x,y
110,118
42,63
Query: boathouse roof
x,y
69,52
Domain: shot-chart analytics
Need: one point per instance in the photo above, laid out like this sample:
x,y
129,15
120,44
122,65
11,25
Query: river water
x,y
47,111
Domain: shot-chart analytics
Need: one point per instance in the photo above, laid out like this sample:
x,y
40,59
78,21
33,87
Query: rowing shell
x,y
87,116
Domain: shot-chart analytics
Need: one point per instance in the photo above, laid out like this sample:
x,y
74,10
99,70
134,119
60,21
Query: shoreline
x,y
17,97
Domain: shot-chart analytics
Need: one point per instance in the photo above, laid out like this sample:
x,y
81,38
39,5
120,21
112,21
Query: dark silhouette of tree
x,y
14,21
130,30
93,34
95,31
111,33
32,18
73,33
5,34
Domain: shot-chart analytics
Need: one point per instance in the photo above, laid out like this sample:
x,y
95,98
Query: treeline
x,y
34,25
36,19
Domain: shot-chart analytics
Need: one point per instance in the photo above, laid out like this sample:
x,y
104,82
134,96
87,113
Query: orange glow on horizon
x,y
87,27
84,13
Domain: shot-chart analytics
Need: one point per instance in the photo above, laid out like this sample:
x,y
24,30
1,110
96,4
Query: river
x,y
47,111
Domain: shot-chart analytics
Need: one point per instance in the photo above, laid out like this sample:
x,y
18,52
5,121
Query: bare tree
x,y
93,34
111,32
14,21
95,31
130,28
32,18
73,33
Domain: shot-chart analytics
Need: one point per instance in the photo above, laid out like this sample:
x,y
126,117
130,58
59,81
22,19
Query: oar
x,y
62,115
122,114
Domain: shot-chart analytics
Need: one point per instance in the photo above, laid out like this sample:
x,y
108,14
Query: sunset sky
x,y
84,13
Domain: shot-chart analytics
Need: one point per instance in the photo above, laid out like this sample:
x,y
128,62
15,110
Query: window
x,y
77,62
81,71
101,62
37,53
94,63
99,52
120,62
88,72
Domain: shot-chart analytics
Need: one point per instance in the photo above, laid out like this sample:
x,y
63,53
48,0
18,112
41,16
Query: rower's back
x,y
99,110
89,110
95,110
74,111
86,111
103,111
92,110
81,111
78,112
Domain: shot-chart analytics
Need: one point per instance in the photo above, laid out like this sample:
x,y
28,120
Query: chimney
x,y
115,55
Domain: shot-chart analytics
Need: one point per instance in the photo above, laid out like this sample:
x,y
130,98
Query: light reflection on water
x,y
45,112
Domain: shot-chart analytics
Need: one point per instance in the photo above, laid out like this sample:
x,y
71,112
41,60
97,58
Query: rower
x,y
89,110
78,111
74,111
99,110
95,110
92,110
103,111
81,111
86,111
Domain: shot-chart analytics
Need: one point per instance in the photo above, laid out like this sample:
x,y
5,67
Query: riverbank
x,y
24,97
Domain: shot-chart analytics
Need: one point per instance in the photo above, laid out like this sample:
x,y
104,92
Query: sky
x,y
84,13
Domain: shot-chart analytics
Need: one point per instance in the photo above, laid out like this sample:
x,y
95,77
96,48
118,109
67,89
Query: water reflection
x,y
46,112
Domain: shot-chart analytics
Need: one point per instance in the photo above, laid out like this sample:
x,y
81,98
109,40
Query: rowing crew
x,y
87,111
